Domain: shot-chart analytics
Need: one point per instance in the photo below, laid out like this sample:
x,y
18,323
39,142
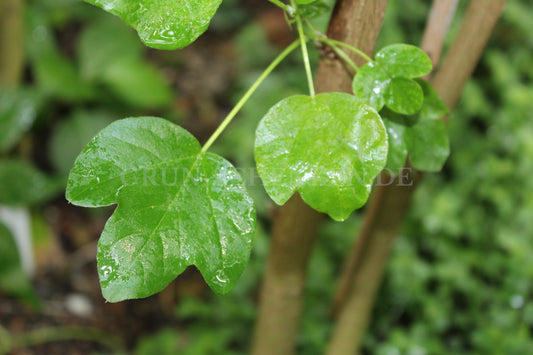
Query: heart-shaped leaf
x,y
328,148
176,207
423,136
388,79
164,24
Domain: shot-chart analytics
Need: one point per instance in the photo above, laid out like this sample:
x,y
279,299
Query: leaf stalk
x,y
248,94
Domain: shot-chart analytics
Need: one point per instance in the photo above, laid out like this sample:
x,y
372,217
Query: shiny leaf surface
x,y
404,60
404,96
328,148
388,79
164,24
370,84
176,207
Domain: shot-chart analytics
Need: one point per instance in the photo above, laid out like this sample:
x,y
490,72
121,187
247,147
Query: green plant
x,y
179,204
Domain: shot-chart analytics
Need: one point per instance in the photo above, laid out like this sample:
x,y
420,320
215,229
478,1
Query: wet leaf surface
x,y
328,148
176,207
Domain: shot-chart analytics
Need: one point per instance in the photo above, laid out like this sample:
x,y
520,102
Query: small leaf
x,y
404,60
404,96
164,24
13,280
423,136
370,85
22,184
176,207
18,109
328,148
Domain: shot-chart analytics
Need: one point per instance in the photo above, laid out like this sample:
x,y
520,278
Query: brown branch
x,y
358,23
11,41
437,27
445,9
463,56
364,270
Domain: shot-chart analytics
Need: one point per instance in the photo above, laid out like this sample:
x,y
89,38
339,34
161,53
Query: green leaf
x,y
423,136
164,24
23,184
387,80
176,207
404,60
404,96
137,83
13,280
397,145
328,148
57,75
370,85
71,135
18,109
97,48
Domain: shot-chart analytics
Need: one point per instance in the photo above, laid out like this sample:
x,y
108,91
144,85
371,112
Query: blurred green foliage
x,y
460,280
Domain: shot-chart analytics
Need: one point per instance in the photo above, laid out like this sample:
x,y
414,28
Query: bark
x,y
364,270
295,225
11,41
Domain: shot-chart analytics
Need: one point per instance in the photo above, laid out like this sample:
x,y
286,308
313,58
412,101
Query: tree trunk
x,y
364,270
358,23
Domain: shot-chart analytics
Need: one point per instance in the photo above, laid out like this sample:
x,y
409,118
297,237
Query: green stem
x,y
343,56
305,54
248,94
330,42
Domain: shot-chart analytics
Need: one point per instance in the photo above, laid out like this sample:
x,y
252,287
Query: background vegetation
x,y
460,279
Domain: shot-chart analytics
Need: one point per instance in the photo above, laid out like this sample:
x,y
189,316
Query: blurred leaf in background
x,y
13,280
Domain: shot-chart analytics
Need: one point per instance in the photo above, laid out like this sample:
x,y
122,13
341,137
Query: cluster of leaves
x,y
459,280
329,148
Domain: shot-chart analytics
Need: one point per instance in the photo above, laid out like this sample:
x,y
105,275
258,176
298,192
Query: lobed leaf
x,y
164,24
176,207
328,148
